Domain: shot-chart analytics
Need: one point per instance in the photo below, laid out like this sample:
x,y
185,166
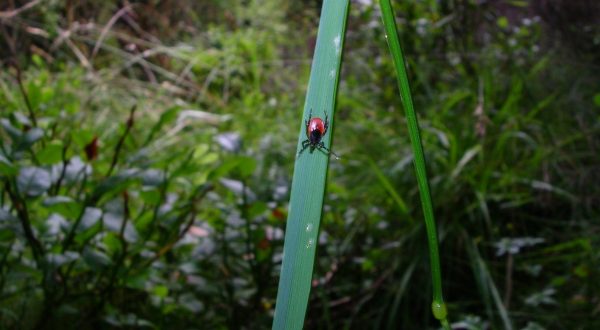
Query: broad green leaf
x,y
6,167
33,181
82,137
160,291
189,302
37,60
310,171
84,236
152,177
230,141
22,119
116,184
114,222
207,158
34,93
57,260
6,235
257,209
246,166
139,280
143,222
51,154
63,205
30,138
112,242
150,196
6,216
597,99
502,22
237,187
224,168
90,218
14,133
9,226
55,225
97,260
77,170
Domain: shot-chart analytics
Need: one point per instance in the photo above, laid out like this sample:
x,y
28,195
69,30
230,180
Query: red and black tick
x,y
316,128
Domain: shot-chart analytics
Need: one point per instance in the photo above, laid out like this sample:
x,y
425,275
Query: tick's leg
x,y
322,146
326,123
306,122
301,151
309,117
305,144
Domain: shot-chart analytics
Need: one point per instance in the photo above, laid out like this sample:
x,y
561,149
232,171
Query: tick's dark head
x,y
315,137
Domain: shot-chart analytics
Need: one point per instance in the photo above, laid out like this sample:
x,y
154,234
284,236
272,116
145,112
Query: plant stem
x,y
63,171
20,205
128,126
251,252
25,96
508,281
438,306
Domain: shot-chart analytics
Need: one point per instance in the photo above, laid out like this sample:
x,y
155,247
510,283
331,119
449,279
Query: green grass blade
x,y
387,185
438,306
486,283
308,185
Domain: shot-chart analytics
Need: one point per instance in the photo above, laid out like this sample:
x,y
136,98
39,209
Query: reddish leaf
x,y
91,149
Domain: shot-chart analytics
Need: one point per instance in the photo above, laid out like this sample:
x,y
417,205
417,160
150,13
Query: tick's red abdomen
x,y
316,124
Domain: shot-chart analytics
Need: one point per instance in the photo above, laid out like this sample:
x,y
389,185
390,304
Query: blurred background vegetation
x,y
148,147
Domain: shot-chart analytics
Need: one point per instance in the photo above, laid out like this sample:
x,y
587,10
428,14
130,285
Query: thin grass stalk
x,y
438,306
310,172
486,284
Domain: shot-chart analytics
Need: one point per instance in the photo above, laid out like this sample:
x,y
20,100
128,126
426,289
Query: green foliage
x,y
94,210
438,306
310,172
509,126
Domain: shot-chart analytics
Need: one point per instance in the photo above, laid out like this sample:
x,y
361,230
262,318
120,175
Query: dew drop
x,y
309,227
310,243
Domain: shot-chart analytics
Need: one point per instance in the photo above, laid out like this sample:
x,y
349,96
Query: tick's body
x,y
316,128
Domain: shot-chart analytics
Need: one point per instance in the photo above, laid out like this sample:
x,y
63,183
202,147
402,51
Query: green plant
x,y
88,216
438,306
308,184
508,120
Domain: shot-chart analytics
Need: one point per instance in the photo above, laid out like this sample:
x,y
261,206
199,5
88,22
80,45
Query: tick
x,y
316,128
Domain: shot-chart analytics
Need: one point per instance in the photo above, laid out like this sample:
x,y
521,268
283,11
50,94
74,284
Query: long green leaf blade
x,y
308,185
